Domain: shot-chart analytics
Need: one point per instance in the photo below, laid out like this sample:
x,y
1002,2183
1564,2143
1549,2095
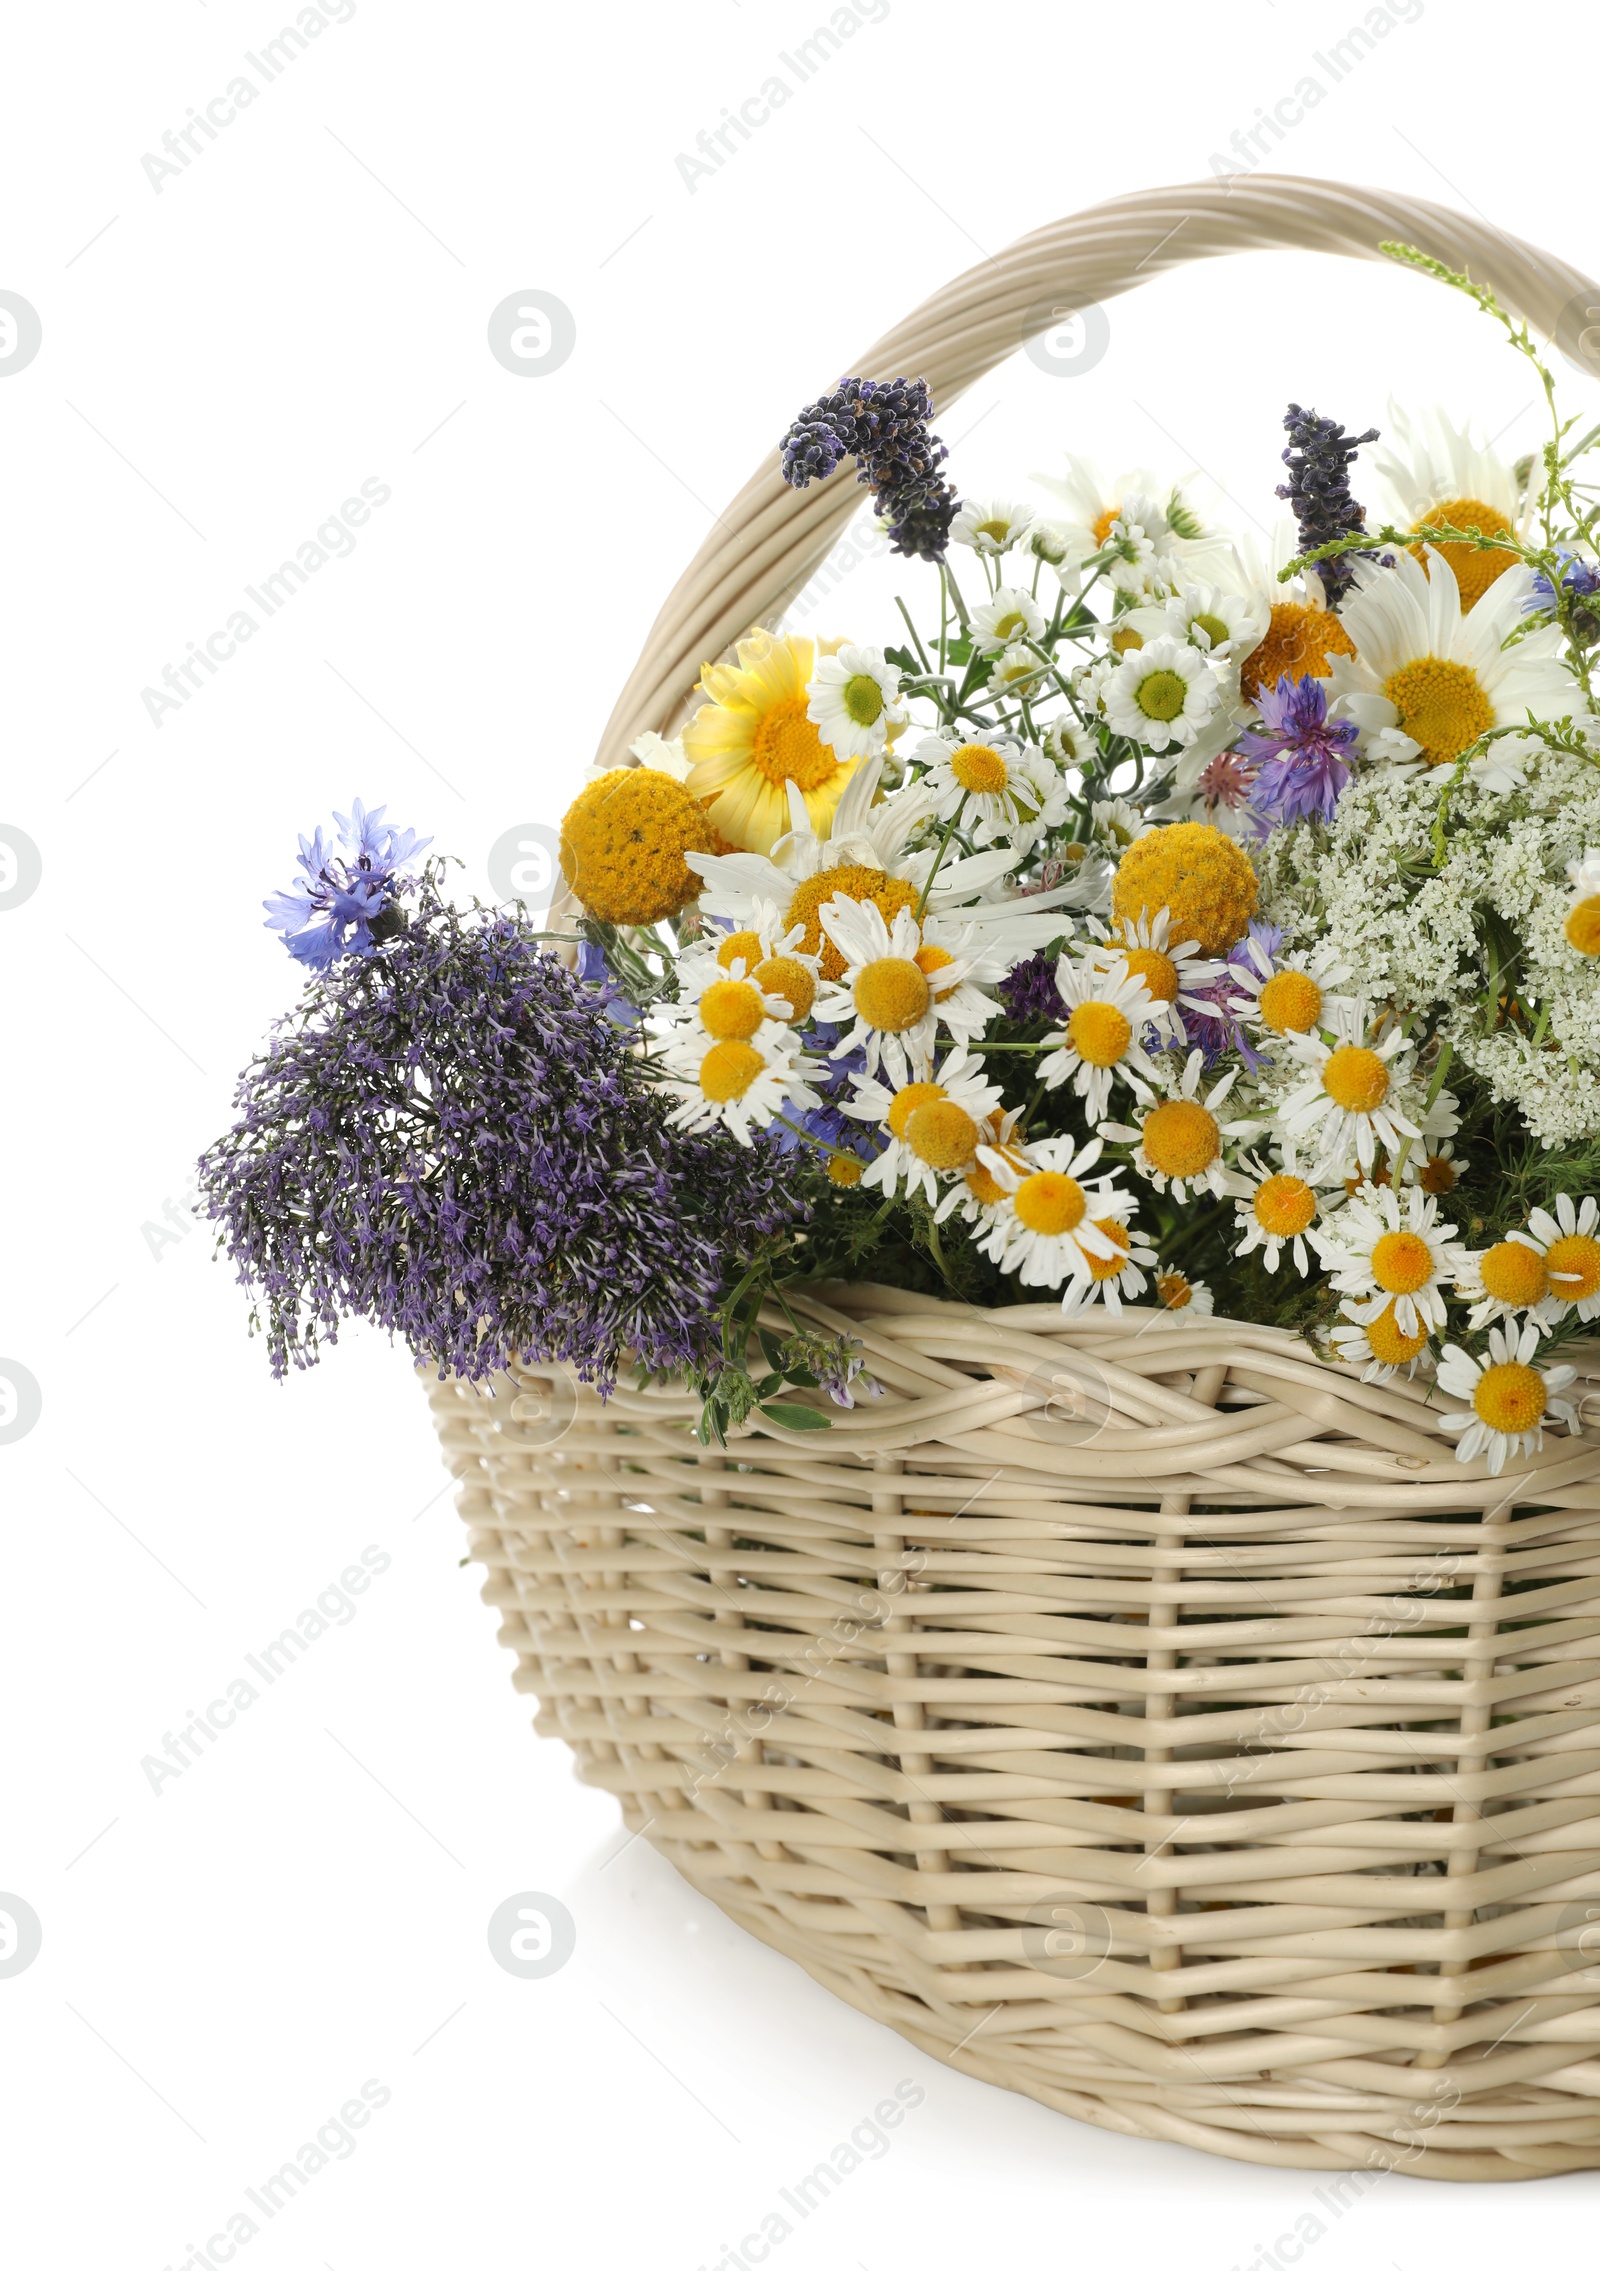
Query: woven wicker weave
x,y
1148,1717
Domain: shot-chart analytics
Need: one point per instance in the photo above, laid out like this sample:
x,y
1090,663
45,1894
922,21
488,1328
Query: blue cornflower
x,y
334,910
1580,580
1301,756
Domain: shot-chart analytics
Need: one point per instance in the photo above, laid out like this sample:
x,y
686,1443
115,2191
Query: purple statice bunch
x,y
883,425
1302,757
1580,581
1319,458
451,1139
1030,990
346,904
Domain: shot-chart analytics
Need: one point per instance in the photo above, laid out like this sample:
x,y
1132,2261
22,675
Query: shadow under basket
x,y
1147,1717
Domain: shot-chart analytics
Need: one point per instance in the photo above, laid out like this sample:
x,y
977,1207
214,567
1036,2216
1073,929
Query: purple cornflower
x,y
450,1139
1031,990
341,906
1319,458
883,425
1300,758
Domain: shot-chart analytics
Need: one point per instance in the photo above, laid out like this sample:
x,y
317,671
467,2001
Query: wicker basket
x,y
1149,1718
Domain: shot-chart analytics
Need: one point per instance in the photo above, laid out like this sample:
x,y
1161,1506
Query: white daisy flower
x,y
1003,790
1116,1278
898,986
977,1191
728,1002
1068,742
1093,506
1181,1142
1433,1166
1009,616
1276,1213
991,525
1571,1253
1117,824
1224,624
1161,695
1508,1397
1438,475
1582,926
1173,971
740,1085
1426,680
1105,1011
763,954
1185,1299
1381,1248
1289,991
959,1109
1506,1280
853,699
1051,542
1352,1097
1380,1347
1018,672
1047,1228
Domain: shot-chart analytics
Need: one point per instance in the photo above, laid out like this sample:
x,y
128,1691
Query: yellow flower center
x,y
863,699
1357,1079
1438,1174
1583,926
1173,1290
1510,1398
730,1010
980,770
1103,1266
1126,641
888,893
1389,1344
1181,1137
623,841
1473,570
996,530
844,1168
1298,642
1099,1032
1158,970
740,946
1514,1273
1290,1002
931,958
1050,1203
1442,706
1100,526
786,746
783,975
1214,628
892,994
1402,1262
943,1134
1007,626
1161,694
727,1069
1200,875
1285,1205
909,1099
1574,1267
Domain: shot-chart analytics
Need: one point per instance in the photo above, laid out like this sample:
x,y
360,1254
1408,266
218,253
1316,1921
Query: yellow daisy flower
x,y
754,736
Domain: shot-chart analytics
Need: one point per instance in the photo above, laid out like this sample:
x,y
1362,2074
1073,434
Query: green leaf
x,y
799,1417
904,659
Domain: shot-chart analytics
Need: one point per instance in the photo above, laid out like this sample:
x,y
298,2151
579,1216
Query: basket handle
x,y
771,538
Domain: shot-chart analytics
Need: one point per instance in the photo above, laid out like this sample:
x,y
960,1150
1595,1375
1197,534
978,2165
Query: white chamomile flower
x,y
1185,1299
1287,992
1438,475
1226,625
1068,742
1506,1280
764,954
929,1127
1017,672
1093,507
1382,1248
1004,791
1582,926
1001,621
1508,1397
659,755
730,1001
976,1191
1117,824
1048,1228
1380,1346
1180,1139
1173,970
1426,680
991,525
1350,1098
1105,1011
1161,695
1051,542
1433,1166
1117,1277
740,1085
1571,1253
853,700
1276,1212
1135,567
899,985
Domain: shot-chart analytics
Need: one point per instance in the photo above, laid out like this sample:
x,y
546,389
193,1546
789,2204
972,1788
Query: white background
x,y
223,361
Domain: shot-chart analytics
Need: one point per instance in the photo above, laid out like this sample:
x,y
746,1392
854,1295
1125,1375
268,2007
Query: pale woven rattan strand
x,y
1299,1715
1186,1672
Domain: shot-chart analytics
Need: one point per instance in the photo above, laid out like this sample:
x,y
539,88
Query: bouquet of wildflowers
x,y
1146,922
